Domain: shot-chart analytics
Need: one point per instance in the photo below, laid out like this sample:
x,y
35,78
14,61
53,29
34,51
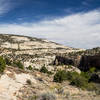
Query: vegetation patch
x,y
45,70
60,76
18,64
8,61
79,80
28,82
29,67
2,64
47,96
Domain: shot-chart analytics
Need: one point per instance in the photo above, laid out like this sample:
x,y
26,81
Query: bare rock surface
x,y
11,82
31,51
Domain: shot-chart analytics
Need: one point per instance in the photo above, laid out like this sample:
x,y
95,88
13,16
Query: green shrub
x,y
32,97
86,75
71,75
60,76
92,70
36,69
79,81
28,82
29,67
91,87
8,62
18,64
2,64
47,96
44,70
49,73
75,78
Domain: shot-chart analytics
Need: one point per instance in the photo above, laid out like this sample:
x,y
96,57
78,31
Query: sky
x,y
74,23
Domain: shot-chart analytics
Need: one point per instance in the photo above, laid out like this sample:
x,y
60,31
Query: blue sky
x,y
74,23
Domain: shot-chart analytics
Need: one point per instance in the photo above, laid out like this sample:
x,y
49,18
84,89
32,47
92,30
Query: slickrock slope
x,y
31,51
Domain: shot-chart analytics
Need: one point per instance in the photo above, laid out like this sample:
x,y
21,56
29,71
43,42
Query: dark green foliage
x,y
36,69
44,70
86,75
49,73
82,82
29,67
2,64
29,82
60,76
8,62
92,87
71,75
92,70
18,64
79,80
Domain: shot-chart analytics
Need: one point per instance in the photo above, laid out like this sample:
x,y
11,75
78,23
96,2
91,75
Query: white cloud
x,y
8,5
81,30
4,6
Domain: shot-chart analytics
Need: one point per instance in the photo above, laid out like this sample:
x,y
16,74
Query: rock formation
x,y
87,62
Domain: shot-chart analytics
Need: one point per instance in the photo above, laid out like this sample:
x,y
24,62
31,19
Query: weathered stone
x,y
87,62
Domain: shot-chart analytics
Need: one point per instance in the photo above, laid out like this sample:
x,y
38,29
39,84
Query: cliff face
x,y
61,60
87,62
83,62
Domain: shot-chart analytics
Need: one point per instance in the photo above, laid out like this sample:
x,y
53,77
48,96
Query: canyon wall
x,y
84,62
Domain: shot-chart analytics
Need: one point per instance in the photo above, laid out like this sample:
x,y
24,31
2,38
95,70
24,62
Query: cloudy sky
x,y
74,23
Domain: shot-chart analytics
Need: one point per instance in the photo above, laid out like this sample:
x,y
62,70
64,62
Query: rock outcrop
x,y
83,62
87,62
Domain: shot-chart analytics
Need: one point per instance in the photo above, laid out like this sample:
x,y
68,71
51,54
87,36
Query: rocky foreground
x,y
17,84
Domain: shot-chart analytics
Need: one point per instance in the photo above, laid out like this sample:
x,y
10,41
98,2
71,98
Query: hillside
x,y
29,50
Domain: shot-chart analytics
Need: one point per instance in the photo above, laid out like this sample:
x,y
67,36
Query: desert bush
x,y
8,62
44,70
49,73
32,97
92,70
47,96
28,82
18,64
60,76
71,75
86,75
82,81
91,87
36,69
29,67
79,81
2,64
